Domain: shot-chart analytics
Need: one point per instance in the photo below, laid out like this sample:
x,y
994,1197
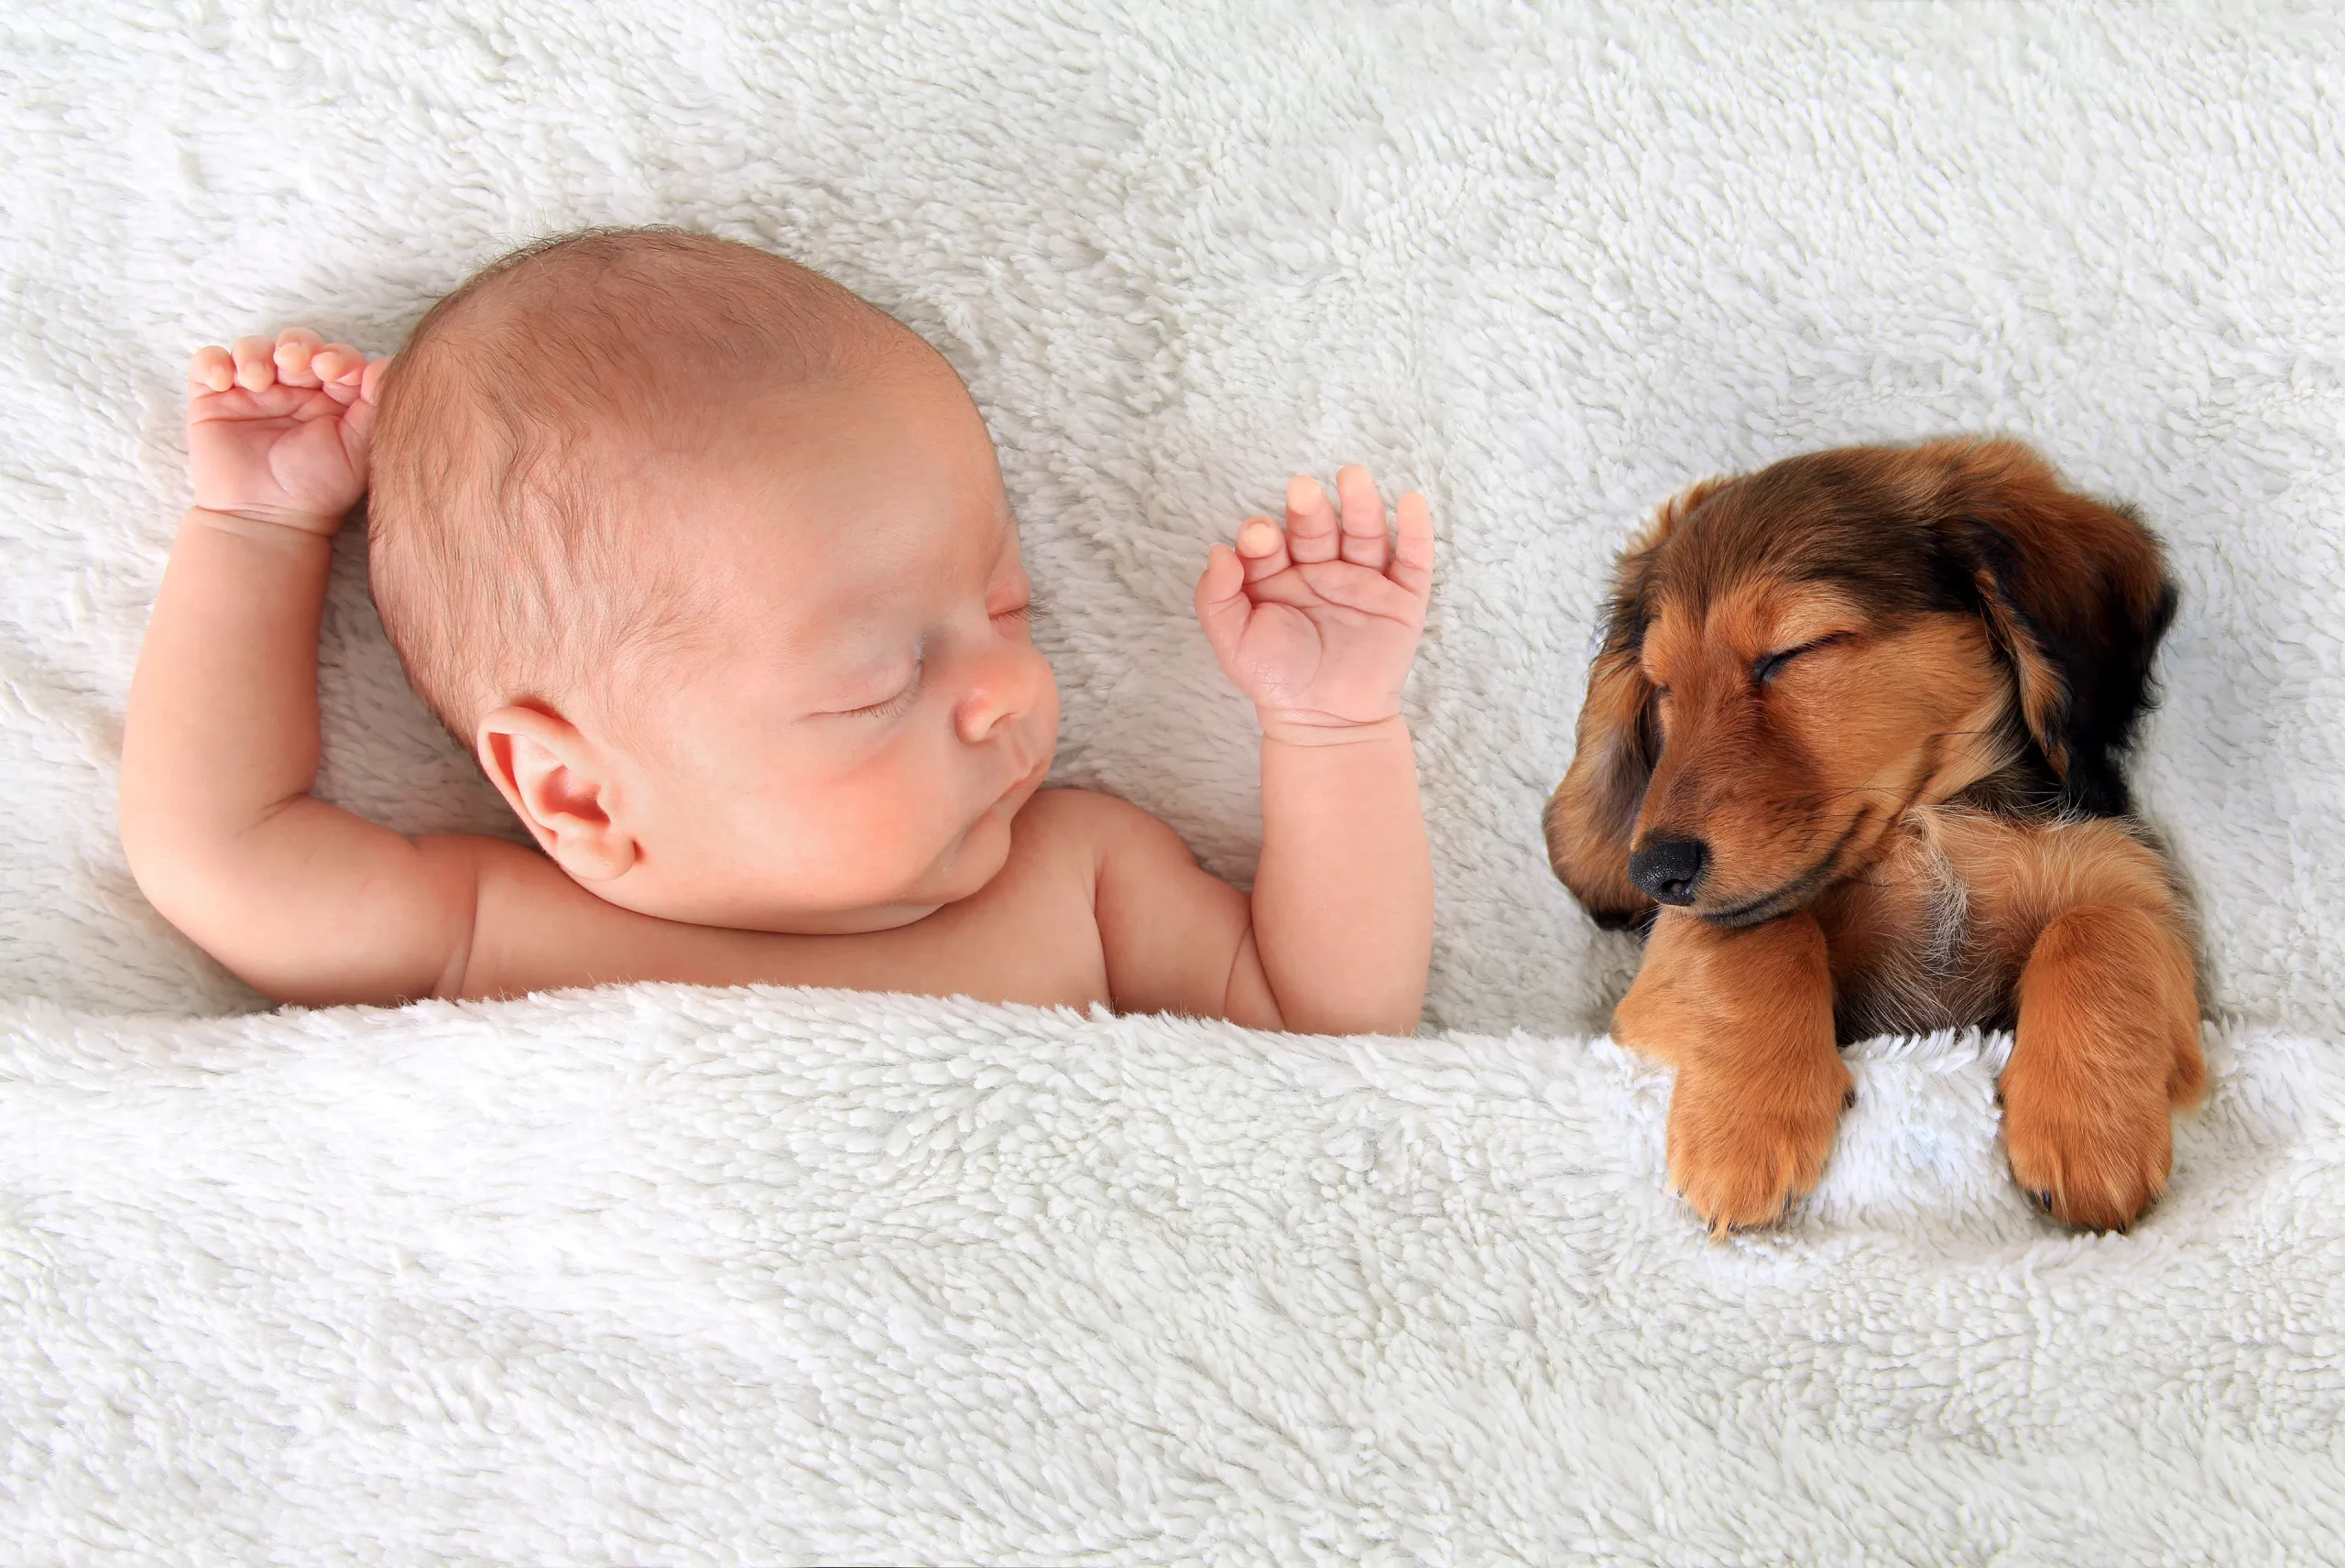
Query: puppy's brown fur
x,y
1882,697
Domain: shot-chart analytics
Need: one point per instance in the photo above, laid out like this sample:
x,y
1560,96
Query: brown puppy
x,y
1856,729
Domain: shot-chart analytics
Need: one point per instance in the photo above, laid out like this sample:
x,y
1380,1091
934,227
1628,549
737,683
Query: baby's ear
x,y
559,783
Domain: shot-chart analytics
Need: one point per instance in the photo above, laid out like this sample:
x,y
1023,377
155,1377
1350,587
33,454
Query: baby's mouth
x,y
1026,781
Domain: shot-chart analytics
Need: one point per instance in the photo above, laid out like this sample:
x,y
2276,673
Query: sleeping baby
x,y
709,562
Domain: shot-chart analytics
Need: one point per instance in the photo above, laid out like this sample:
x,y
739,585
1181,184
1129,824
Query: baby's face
x,y
846,750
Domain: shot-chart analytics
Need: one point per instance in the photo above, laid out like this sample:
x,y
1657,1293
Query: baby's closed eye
x,y
900,693
1011,598
890,707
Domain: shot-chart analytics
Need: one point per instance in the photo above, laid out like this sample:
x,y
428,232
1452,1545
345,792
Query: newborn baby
x,y
709,562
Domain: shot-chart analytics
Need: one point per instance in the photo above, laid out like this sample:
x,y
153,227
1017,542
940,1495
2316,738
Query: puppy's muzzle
x,y
1670,869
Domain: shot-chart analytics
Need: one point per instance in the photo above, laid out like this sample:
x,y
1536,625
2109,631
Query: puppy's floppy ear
x,y
2076,598
1592,816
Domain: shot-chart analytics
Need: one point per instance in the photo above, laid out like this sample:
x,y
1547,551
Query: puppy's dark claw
x,y
1848,1100
2043,1201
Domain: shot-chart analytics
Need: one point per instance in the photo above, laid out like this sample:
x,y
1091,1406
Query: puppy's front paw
x,y
1746,1139
2091,1142
2108,1045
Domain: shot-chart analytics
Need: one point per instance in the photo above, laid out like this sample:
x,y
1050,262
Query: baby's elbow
x,y
1392,1018
176,878
1405,1021
1383,1004
181,871
209,898
1354,1015
197,895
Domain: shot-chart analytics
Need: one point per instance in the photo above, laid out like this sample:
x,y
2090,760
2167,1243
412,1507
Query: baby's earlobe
x,y
603,856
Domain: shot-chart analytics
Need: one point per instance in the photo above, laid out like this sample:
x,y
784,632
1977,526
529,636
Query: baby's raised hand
x,y
278,430
1318,623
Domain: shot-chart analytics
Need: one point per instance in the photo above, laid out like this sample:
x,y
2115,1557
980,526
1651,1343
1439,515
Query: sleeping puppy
x,y
1851,753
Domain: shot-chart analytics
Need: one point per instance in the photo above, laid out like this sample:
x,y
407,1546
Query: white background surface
x,y
612,1280
1548,267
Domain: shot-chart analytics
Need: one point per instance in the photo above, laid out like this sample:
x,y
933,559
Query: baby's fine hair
x,y
503,550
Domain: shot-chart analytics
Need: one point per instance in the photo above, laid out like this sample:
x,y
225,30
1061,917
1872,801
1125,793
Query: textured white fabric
x,y
687,1276
669,1276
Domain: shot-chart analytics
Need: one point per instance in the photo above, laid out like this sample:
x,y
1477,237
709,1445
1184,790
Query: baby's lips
x,y
1027,777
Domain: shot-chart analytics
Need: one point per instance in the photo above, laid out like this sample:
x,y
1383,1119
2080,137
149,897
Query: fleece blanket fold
x,y
672,1276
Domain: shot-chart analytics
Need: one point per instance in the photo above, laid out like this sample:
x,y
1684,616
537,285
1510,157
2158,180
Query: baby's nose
x,y
1006,688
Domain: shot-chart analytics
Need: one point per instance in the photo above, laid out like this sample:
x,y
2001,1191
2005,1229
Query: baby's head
x,y
709,562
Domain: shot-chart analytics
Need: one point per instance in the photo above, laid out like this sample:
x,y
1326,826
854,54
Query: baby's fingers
x,y
213,369
255,364
1363,509
1262,549
337,362
1413,553
1221,603
342,370
297,347
1310,522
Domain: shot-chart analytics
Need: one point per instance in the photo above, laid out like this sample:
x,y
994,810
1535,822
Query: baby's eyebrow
x,y
868,651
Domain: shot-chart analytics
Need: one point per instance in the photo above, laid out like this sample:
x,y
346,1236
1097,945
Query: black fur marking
x,y
2103,661
1638,920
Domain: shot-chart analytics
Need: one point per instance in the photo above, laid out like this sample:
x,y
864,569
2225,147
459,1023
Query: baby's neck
x,y
853,922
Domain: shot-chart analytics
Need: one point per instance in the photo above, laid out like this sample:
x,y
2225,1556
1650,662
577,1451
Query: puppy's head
x,y
1795,658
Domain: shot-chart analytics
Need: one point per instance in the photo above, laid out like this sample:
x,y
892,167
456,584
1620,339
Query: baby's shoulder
x,y
1073,810
1084,821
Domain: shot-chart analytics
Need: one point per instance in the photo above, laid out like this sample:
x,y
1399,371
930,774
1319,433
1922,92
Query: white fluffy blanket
x,y
675,1276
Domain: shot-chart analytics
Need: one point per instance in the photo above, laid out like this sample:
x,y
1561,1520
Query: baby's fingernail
x,y
1257,538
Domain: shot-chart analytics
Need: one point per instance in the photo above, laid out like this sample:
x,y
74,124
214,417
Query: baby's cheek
x,y
878,834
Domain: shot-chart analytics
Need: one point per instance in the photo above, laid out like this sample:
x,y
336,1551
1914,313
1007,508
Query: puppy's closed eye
x,y
1764,672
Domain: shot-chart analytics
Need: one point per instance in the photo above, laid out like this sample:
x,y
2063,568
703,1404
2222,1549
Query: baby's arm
x,y
1317,624
306,901
1343,896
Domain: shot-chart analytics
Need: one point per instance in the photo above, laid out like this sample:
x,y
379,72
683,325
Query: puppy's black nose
x,y
1670,868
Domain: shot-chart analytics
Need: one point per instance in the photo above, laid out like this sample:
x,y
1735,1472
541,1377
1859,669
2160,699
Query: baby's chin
x,y
968,865
959,870
962,870
975,859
